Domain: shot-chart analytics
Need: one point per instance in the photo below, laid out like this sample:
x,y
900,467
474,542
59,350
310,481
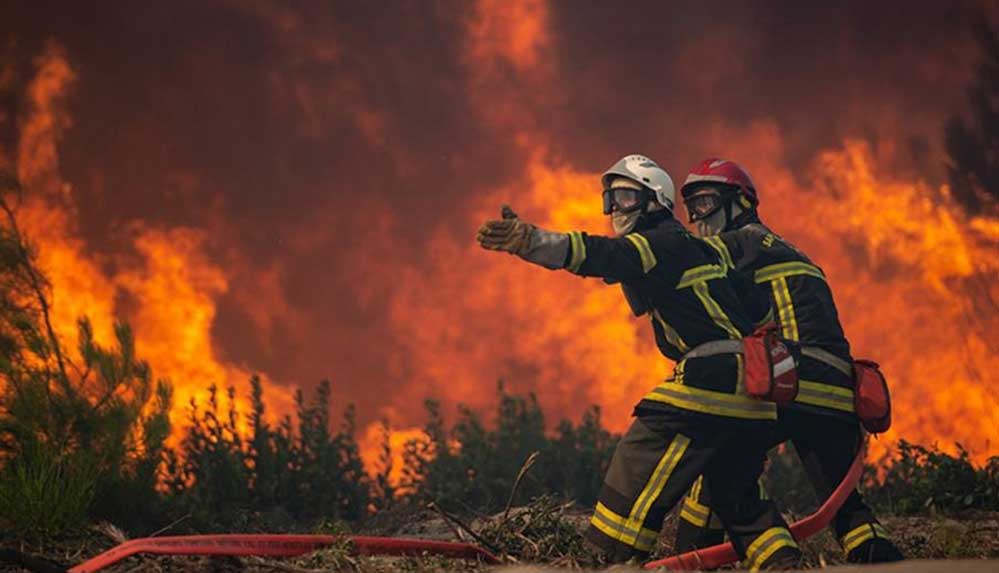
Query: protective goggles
x,y
704,203
624,199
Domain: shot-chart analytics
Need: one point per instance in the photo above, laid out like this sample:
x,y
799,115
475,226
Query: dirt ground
x,y
967,543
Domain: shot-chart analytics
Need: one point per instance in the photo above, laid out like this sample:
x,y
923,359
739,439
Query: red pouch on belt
x,y
770,372
871,398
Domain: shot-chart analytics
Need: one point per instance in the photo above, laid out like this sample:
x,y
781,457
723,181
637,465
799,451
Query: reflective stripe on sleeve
x,y
785,309
577,246
700,274
644,251
784,270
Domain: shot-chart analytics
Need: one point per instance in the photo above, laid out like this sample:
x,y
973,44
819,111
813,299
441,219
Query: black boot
x,y
875,550
784,559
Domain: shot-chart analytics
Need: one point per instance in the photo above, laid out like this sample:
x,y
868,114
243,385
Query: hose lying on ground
x,y
266,545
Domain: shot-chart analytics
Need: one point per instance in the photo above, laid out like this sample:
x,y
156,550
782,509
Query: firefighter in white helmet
x,y
698,420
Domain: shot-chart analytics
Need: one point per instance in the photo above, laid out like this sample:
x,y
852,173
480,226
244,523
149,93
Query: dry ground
x,y
969,543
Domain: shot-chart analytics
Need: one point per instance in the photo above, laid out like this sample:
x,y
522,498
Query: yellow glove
x,y
508,234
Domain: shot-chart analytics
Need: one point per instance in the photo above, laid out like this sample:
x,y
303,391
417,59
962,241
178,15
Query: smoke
x,y
293,190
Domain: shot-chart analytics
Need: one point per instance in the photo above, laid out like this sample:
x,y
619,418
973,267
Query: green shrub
x,y
920,479
472,468
278,477
42,494
92,416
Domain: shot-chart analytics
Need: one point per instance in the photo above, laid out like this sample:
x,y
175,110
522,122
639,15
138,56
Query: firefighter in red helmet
x,y
701,419
721,202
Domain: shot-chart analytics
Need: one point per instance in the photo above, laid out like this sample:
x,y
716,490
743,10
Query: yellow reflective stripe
x,y
644,251
783,270
578,248
709,402
654,487
825,395
860,534
740,375
720,246
785,309
766,545
763,491
672,336
616,527
715,311
689,513
700,274
695,492
692,510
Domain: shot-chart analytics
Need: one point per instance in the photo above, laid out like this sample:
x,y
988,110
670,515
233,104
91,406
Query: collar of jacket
x,y
653,219
745,218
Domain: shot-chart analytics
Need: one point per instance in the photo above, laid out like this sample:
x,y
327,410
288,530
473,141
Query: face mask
x,y
711,225
622,200
623,223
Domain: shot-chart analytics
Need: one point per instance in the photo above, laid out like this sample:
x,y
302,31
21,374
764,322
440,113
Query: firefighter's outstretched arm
x,y
512,235
625,258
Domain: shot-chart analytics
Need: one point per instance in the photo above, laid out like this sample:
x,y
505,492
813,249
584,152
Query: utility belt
x,y
768,376
770,372
871,398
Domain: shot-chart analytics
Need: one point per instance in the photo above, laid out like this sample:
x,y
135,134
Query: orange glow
x,y
913,278
907,273
372,444
174,284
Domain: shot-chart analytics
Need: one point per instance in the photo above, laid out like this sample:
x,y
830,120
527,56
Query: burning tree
x,y
78,429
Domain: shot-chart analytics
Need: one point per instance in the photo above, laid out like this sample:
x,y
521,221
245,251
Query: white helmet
x,y
645,172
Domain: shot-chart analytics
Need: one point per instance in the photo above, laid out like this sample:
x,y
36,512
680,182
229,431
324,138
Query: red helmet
x,y
714,170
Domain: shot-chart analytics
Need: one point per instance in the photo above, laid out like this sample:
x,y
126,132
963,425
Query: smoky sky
x,y
291,132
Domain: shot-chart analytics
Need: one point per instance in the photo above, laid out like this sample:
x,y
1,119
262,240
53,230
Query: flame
x,y
372,446
913,278
908,271
915,283
908,274
174,285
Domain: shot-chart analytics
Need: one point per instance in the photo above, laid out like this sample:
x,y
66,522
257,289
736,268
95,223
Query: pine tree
x,y
78,429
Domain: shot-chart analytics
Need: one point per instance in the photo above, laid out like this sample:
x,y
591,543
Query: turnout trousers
x,y
827,446
656,462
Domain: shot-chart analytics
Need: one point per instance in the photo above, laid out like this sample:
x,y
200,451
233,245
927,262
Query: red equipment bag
x,y
771,373
871,398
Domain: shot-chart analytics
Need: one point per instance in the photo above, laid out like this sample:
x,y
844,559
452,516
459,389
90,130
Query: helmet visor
x,y
703,204
622,199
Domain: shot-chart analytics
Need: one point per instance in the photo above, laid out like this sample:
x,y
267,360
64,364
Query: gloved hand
x,y
508,234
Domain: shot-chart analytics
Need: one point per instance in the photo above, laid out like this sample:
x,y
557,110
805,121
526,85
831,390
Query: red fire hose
x,y
263,545
718,555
